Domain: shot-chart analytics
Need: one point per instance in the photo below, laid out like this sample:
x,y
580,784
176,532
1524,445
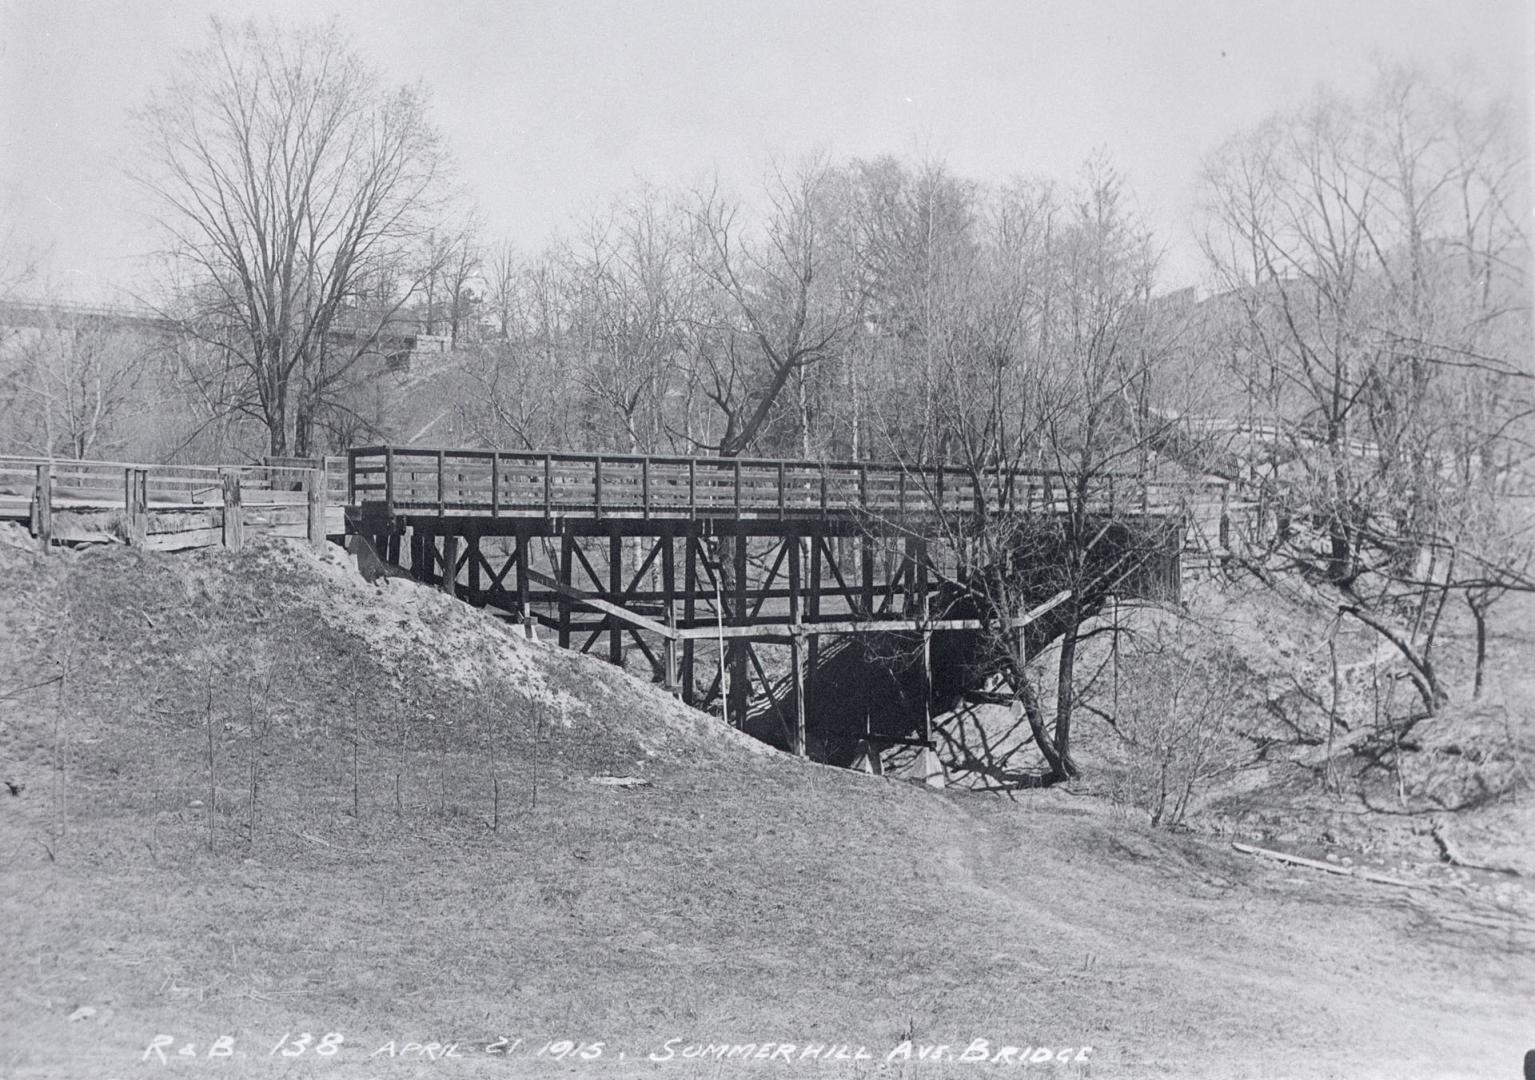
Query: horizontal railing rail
x,y
519,483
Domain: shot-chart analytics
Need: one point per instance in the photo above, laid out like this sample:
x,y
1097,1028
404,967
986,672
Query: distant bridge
x,y
396,342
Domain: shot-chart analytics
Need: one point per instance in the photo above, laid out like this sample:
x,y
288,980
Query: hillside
x,y
266,798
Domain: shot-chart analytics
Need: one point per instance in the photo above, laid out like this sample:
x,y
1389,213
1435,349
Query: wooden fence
x,y
164,507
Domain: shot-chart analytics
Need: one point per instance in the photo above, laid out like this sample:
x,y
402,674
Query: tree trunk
x,y
1065,701
1024,695
1479,614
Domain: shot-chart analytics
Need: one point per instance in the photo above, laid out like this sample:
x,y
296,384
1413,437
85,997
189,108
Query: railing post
x,y
692,488
234,513
315,485
738,486
548,486
442,483
597,483
645,485
782,494
42,506
863,487
136,504
825,503
388,478
495,484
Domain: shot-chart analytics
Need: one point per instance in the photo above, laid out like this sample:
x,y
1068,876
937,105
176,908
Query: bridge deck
x,y
481,483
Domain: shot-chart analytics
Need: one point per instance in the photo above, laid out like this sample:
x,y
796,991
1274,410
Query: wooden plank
x,y
599,604
875,626
1317,864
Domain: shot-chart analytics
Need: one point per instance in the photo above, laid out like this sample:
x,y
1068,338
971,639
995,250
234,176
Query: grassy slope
x,y
741,896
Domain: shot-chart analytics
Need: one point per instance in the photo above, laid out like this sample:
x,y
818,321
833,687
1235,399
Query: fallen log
x,y
1318,864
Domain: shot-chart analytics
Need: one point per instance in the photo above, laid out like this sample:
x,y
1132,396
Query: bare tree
x,y
67,387
780,305
1375,263
291,185
1027,325
517,386
630,296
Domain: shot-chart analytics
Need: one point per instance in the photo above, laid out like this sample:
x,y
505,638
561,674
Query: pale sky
x,y
552,108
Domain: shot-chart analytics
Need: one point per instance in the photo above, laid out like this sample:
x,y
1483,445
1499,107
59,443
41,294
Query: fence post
x,y
315,482
136,504
42,506
234,513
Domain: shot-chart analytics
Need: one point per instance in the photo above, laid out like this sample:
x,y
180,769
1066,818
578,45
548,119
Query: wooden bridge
x,y
661,558
672,562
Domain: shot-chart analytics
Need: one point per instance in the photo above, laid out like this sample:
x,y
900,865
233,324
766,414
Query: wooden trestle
x,y
666,558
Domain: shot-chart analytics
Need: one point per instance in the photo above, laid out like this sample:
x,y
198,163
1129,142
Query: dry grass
x,y
738,897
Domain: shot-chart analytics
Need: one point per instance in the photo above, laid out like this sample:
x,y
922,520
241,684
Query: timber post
x,y
796,649
740,657
615,595
314,489
567,556
932,768
689,605
472,557
450,563
669,591
42,506
234,513
813,600
524,592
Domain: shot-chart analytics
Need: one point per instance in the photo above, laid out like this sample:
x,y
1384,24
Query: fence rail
x,y
513,484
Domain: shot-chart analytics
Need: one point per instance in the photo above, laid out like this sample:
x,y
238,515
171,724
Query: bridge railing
x,y
512,484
